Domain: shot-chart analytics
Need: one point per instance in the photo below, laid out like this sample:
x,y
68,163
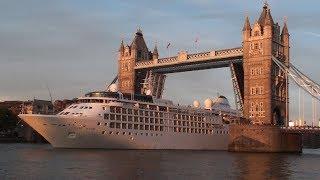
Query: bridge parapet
x,y
144,63
168,59
184,57
199,55
302,129
229,51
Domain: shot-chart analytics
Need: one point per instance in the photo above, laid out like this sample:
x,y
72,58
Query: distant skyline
x,y
71,45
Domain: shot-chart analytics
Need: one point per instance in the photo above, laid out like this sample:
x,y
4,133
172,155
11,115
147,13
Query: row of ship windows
x,y
73,107
116,109
199,131
152,120
161,128
133,119
157,128
135,126
147,112
175,124
130,133
92,101
119,110
191,124
121,117
66,113
81,107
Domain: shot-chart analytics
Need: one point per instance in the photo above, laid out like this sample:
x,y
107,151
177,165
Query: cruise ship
x,y
113,120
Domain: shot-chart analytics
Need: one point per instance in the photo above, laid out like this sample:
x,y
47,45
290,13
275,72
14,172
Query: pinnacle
x,y
285,29
246,24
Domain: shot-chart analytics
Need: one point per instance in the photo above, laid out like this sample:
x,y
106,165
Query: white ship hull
x,y
83,132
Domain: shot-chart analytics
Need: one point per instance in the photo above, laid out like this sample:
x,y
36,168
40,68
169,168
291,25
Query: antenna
x,y
285,19
49,92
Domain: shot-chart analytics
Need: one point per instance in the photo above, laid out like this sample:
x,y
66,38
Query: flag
x,y
168,45
197,39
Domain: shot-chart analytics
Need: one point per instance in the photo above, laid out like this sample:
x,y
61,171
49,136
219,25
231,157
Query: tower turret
x,y
246,31
285,40
268,24
285,31
155,54
121,48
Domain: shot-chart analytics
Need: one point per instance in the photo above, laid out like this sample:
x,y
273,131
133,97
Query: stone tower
x,y
128,56
265,86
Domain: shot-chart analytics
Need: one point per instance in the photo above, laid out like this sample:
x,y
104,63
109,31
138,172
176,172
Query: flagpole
x,y
196,44
168,48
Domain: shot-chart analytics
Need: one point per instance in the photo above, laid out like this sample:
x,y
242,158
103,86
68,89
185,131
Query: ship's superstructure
x,y
125,121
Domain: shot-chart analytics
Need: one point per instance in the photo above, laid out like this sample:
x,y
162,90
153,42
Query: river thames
x,y
34,161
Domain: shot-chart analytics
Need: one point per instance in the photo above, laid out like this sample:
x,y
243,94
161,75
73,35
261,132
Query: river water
x,y
34,161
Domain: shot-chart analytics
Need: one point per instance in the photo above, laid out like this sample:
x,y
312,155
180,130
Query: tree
x,y
8,120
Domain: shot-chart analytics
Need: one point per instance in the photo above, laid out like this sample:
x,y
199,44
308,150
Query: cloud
x,y
313,34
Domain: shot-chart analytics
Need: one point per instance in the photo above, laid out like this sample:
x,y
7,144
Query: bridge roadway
x,y
310,135
189,62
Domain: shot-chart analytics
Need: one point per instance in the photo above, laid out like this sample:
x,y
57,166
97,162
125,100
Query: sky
x,y
70,46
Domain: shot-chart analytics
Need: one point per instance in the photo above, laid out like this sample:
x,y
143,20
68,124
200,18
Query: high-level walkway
x,y
189,62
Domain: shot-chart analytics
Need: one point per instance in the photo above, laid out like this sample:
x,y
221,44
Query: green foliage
x,y
7,119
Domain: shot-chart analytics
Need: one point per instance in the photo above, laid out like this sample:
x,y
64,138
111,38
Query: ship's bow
x,y
40,124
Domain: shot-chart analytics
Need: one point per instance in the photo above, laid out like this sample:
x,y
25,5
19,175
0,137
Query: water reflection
x,y
43,162
262,166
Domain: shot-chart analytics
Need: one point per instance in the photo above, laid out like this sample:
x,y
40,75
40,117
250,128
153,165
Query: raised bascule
x,y
260,70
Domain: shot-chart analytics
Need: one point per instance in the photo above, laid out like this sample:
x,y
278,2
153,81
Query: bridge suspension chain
x,y
299,78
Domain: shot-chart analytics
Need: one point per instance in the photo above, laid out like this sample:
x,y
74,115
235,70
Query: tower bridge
x,y
260,70
261,94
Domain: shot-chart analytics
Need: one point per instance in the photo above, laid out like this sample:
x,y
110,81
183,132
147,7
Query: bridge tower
x,y
129,81
265,85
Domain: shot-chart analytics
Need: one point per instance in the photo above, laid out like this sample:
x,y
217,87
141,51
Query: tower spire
x,y
155,50
285,27
155,53
121,49
138,37
268,19
263,14
246,24
139,32
266,4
